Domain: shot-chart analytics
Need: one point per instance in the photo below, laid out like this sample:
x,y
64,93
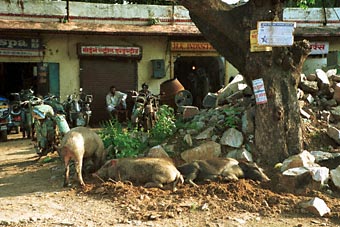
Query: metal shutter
x,y
96,77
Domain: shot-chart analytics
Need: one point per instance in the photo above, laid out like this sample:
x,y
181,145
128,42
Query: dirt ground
x,y
31,194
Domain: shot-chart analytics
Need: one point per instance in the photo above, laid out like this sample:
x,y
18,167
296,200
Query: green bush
x,y
124,140
165,125
129,142
232,120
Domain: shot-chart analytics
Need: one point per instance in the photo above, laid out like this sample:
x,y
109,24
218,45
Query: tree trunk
x,y
278,131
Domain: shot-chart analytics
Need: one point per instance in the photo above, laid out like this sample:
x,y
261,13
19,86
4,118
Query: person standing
x,y
145,89
115,100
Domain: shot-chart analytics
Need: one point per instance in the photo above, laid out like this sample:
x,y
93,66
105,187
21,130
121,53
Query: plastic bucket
x,y
62,124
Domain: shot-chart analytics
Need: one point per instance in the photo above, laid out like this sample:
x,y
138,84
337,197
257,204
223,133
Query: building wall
x,y
62,49
136,14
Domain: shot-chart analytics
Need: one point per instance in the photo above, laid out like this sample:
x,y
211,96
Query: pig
x,y
227,169
78,144
151,172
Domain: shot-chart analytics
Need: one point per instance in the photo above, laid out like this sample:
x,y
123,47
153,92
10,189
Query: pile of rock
x,y
319,96
226,129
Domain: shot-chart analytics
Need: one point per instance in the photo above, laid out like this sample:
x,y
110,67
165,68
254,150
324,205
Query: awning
x,y
143,30
93,28
325,31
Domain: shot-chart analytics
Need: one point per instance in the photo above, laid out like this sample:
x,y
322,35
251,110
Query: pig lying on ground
x,y
81,143
227,169
151,172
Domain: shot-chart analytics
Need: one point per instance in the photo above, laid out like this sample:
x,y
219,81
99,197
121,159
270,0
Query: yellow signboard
x,y
254,46
191,46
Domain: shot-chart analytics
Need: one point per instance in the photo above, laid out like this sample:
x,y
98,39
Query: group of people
x,y
116,100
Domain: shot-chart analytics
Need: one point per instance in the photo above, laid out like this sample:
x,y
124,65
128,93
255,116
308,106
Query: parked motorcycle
x,y
15,118
4,118
28,100
144,113
50,125
77,107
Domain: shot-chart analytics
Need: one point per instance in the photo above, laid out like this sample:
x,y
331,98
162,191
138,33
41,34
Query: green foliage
x,y
129,142
148,2
153,21
125,144
232,119
312,3
180,124
193,207
165,125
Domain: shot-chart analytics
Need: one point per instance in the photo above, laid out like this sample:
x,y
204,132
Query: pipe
x,y
68,10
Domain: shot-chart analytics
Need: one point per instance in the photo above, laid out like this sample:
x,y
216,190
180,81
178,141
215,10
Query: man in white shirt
x,y
115,100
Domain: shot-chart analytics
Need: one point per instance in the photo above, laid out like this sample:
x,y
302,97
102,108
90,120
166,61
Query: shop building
x,y
57,49
321,27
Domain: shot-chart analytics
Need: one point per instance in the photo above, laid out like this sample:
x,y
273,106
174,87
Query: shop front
x,y
102,66
22,67
198,67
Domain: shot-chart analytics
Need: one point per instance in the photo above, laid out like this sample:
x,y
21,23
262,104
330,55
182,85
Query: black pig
x,y
226,169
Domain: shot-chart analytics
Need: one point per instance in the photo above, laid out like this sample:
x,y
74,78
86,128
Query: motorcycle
x,y
15,118
144,113
4,118
28,100
77,107
50,125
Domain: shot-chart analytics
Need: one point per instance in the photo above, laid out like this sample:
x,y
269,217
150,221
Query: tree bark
x,y
278,131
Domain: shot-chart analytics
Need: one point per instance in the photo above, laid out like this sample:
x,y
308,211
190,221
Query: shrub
x,y
124,140
129,142
165,125
232,119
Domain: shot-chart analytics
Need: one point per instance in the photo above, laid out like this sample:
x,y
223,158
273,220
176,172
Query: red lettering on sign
x,y
110,50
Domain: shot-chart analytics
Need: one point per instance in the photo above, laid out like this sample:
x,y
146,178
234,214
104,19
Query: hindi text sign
x,y
275,33
319,48
259,91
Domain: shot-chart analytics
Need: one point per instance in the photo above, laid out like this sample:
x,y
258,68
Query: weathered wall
x,y
91,12
62,49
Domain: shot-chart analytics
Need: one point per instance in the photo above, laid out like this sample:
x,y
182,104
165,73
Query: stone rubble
x,y
316,206
227,130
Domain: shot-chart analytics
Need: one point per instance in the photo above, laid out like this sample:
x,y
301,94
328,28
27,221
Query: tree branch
x,y
227,28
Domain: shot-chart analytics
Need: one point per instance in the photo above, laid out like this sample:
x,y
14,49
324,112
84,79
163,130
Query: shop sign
x,y
319,48
275,33
23,47
42,72
191,46
114,51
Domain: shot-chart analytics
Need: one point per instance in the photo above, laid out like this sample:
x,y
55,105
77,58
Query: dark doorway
x,y
200,75
16,76
41,77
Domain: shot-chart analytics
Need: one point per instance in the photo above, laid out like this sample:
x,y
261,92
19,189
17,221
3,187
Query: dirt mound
x,y
144,204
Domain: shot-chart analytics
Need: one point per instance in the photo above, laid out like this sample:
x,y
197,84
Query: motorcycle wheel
x,y
87,119
3,136
17,130
147,123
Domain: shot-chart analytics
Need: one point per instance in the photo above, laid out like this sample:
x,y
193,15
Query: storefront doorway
x,y
43,78
98,74
200,75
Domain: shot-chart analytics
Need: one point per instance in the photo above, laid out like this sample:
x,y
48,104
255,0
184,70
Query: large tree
x,y
278,131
